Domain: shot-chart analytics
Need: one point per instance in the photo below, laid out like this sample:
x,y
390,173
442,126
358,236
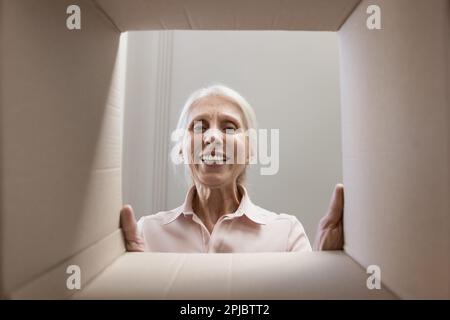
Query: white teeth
x,y
210,158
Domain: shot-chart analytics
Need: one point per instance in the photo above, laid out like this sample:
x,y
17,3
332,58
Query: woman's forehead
x,y
215,106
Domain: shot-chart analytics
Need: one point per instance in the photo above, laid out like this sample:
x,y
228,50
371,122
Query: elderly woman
x,y
217,214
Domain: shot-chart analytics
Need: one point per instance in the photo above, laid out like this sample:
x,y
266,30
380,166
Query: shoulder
x,y
297,240
270,216
294,223
160,218
288,222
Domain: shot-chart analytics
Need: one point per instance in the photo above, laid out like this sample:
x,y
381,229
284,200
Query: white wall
x,y
139,144
290,78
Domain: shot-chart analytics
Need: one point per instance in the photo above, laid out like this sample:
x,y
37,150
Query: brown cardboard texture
x,y
61,95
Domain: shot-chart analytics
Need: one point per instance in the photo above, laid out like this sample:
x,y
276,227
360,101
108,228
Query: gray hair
x,y
216,90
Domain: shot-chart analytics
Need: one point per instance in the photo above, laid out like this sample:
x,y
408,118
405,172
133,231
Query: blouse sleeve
x,y
297,239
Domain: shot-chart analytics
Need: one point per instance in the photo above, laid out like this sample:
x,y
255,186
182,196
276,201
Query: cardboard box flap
x,y
320,15
310,275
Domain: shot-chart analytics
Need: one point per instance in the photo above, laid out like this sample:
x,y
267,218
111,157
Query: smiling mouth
x,y
215,159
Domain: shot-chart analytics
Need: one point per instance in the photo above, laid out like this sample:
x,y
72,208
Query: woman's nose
x,y
212,135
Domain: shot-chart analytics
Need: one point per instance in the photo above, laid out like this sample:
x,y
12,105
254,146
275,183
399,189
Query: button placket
x,y
208,245
214,231
203,230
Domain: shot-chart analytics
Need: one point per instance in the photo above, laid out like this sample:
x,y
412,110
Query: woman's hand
x,y
133,240
330,233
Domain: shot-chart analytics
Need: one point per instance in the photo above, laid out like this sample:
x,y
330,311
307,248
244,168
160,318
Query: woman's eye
x,y
198,129
230,130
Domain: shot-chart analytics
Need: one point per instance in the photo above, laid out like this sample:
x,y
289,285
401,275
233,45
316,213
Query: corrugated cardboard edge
x,y
92,260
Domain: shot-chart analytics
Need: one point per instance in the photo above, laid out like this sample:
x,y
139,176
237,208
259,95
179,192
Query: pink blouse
x,y
249,229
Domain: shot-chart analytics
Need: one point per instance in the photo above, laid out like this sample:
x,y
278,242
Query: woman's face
x,y
216,143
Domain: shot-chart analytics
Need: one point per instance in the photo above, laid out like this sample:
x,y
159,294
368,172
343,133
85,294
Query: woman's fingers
x,y
133,240
330,239
336,208
127,219
330,234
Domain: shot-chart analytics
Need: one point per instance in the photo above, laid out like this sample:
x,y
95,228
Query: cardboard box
x,y
61,97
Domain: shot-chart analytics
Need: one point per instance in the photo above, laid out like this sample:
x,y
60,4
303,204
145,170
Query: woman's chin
x,y
214,179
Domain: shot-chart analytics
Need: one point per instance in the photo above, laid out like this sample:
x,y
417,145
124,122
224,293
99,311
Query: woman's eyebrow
x,y
230,118
222,116
198,118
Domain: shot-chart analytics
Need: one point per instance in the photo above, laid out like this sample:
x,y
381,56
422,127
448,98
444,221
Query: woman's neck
x,y
212,203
